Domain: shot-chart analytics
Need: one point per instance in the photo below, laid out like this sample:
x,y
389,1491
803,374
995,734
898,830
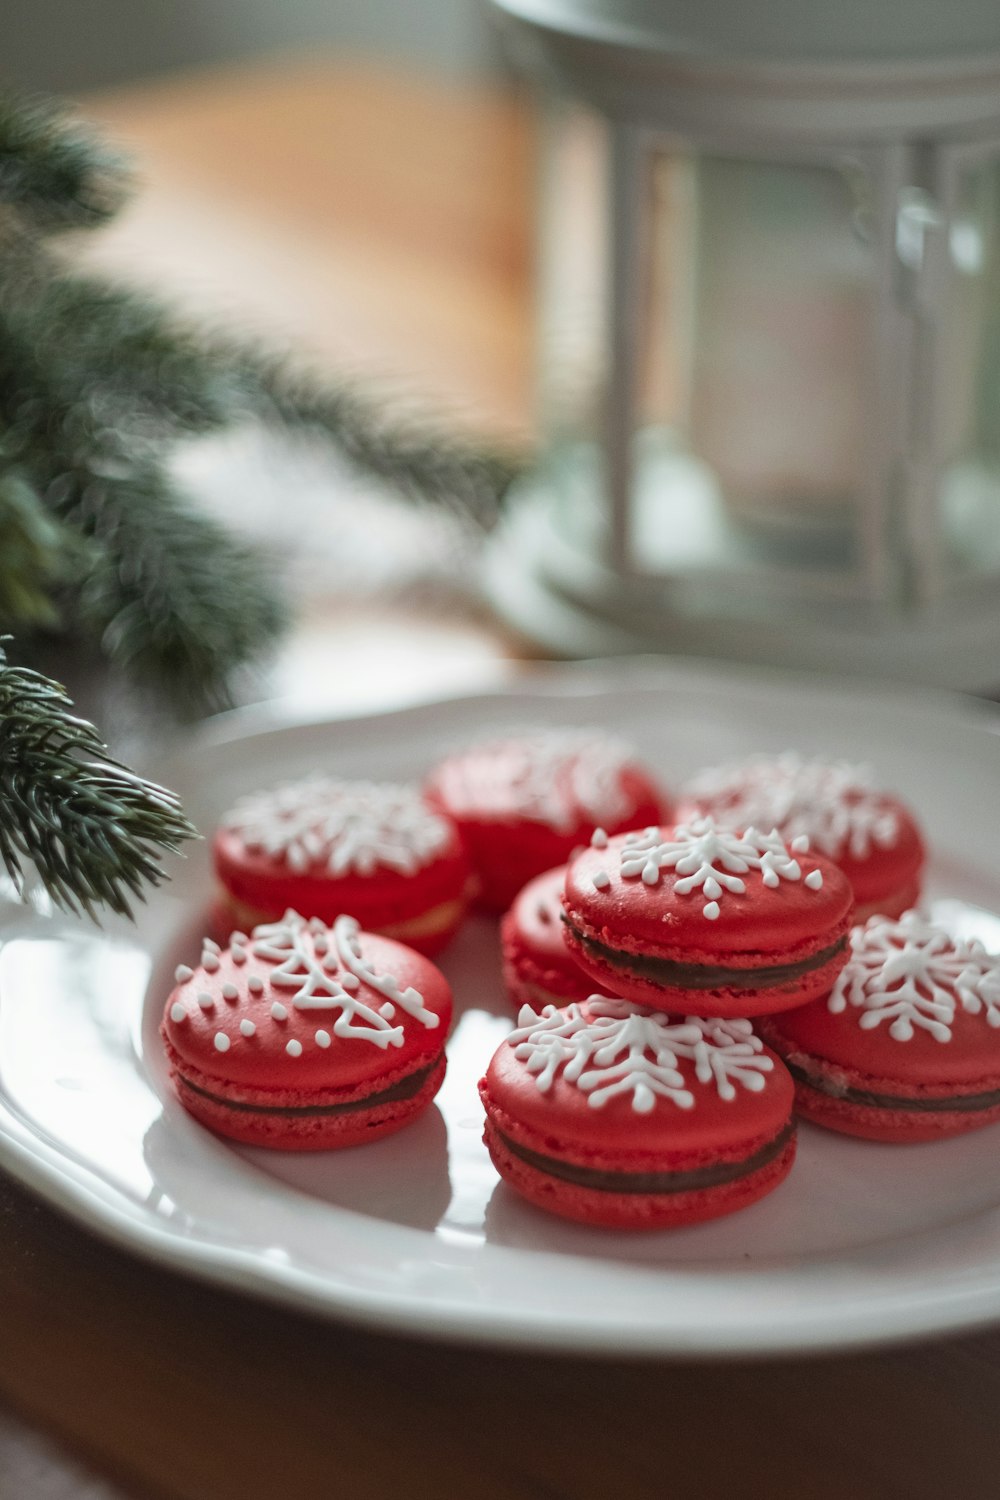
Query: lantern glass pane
x,y
755,394
573,320
969,379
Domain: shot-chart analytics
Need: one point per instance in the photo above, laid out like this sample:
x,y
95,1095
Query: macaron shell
x,y
635,1210
311,1132
831,1055
969,1062
264,883
561,1121
885,877
508,848
887,874
262,1060
537,965
887,1125
656,919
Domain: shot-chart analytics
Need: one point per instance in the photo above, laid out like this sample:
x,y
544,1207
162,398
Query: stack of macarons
x,y
654,1103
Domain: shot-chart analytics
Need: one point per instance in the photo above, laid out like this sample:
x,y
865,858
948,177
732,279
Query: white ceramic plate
x,y
864,1243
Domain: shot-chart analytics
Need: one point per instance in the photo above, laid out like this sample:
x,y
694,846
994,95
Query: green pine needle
x,y
53,173
38,554
174,599
90,827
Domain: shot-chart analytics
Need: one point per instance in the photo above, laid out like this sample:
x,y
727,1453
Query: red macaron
x,y
868,833
321,846
609,1116
524,803
700,919
306,1037
538,968
907,1046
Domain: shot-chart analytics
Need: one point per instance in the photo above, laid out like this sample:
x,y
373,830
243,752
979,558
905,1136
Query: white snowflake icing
x,y
340,826
915,976
548,777
316,984
709,859
837,806
611,1049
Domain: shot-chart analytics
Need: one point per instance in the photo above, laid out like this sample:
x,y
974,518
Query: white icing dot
x,y
814,880
601,880
239,955
800,845
321,944
388,1010
205,1000
323,1039
209,962
351,982
177,1012
293,1048
255,984
210,945
770,878
712,910
182,973
238,937
599,839
230,992
650,874
330,963
221,1042
278,1011
247,1027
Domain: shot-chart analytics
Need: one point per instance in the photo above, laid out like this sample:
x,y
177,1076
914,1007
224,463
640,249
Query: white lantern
x,y
769,335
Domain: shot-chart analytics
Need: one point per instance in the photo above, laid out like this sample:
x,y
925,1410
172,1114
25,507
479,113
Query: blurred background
x,y
95,44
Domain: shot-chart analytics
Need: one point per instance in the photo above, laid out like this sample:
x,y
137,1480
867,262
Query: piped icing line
x,y
553,777
342,827
612,1050
324,969
837,806
915,976
709,859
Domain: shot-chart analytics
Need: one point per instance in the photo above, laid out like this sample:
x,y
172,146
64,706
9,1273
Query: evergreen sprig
x,y
97,383
90,827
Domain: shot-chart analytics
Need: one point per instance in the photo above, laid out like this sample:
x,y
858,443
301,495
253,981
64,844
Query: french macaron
x,y
306,1037
611,1116
525,802
323,846
538,968
696,918
867,832
907,1045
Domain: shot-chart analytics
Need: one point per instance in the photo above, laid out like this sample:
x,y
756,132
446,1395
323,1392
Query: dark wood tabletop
x,y
386,223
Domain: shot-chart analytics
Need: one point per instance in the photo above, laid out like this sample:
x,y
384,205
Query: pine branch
x,y
171,595
53,173
147,370
420,462
91,827
38,553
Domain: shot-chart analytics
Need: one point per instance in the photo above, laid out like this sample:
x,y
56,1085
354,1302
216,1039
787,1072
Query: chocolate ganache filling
x,y
604,1181
920,1104
690,976
404,1089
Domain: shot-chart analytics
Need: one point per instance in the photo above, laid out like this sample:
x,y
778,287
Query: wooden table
x,y
384,223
